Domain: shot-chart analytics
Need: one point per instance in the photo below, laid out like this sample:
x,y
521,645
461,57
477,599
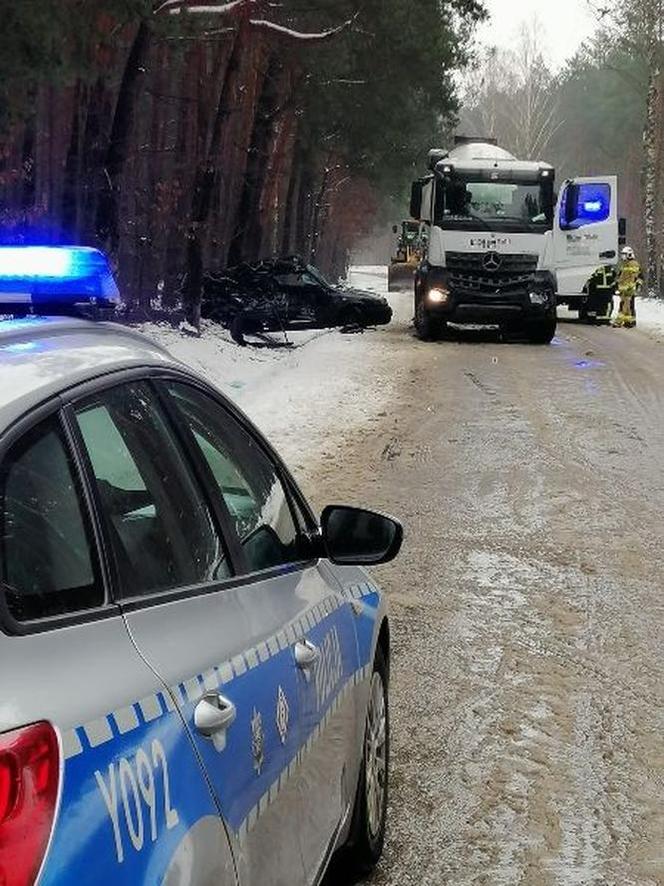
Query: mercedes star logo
x,y
492,261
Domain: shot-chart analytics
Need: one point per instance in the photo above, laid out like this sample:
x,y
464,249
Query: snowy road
x,y
528,607
528,603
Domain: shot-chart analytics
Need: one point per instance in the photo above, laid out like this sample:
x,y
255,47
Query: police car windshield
x,y
507,206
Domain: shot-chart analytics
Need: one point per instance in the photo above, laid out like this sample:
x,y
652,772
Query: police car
x,y
193,670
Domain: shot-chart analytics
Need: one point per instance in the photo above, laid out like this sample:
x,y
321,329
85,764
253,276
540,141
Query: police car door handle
x,y
306,654
214,713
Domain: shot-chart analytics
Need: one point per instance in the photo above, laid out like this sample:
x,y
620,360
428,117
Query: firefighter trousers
x,y
626,311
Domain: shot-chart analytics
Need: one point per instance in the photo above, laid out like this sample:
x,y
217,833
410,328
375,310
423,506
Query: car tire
x,y
364,847
237,330
426,327
542,332
351,318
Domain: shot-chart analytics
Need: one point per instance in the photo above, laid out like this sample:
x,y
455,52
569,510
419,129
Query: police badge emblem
x,y
283,715
257,741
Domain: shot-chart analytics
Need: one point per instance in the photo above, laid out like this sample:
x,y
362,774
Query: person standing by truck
x,y
629,280
601,289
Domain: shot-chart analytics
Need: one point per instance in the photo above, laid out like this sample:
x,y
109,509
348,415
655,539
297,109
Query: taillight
x,y
29,776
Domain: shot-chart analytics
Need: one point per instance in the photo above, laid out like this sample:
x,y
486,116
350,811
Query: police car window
x,y
247,479
160,528
49,565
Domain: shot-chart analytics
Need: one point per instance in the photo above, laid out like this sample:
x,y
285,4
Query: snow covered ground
x,y
308,397
650,317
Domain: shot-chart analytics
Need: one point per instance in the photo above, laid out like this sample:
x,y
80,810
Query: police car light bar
x,y
55,276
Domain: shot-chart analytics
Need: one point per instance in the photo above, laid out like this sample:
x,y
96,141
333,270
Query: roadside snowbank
x,y
307,397
650,317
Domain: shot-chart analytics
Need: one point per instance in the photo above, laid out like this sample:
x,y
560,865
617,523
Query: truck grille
x,y
490,272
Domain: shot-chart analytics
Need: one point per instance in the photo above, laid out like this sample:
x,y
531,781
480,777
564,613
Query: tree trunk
x,y
248,229
28,163
317,217
650,180
185,145
302,241
70,201
98,110
278,181
107,218
292,200
206,176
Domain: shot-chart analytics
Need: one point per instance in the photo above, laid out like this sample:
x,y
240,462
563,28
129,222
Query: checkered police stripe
x,y
162,703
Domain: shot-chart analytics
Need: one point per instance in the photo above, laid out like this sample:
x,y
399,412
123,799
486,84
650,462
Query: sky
x,y
567,24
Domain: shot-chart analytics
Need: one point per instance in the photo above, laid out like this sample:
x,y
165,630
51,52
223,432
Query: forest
x,y
182,137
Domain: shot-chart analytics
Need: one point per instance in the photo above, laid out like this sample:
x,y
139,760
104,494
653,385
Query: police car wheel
x,y
367,837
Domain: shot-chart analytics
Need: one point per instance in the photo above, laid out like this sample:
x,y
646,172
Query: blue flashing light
x,y
594,202
67,275
40,262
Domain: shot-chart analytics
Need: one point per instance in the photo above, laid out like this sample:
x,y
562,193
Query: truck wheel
x,y
427,328
542,332
367,834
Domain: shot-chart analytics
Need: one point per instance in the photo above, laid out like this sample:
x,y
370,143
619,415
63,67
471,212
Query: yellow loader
x,y
407,256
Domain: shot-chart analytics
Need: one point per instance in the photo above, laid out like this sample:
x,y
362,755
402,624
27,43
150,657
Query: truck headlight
x,y
539,298
438,295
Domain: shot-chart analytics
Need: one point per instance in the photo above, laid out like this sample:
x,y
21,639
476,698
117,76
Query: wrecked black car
x,y
286,294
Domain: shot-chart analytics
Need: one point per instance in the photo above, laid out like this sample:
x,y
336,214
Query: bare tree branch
x,y
281,30
176,7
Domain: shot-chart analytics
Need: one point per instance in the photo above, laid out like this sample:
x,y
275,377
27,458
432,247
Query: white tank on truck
x,y
503,248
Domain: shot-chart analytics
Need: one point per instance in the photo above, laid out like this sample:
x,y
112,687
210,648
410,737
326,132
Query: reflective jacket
x,y
629,276
603,280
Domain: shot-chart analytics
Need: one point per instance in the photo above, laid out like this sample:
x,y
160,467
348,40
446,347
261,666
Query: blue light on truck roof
x,y
54,274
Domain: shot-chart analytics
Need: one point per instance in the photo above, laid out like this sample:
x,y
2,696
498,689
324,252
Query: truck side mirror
x,y
395,229
622,231
416,200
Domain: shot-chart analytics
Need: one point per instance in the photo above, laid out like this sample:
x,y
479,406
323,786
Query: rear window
x,y
160,526
47,561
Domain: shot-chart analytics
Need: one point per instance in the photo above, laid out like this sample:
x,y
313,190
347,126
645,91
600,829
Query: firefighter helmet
x,y
628,253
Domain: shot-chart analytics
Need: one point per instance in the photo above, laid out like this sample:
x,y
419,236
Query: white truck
x,y
503,248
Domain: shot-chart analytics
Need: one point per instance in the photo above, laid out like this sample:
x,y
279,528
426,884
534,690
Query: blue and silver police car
x,y
193,670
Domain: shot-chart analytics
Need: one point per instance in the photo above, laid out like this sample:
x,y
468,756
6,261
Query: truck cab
x,y
503,247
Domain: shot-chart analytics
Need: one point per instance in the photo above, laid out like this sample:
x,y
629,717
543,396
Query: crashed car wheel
x,y
350,317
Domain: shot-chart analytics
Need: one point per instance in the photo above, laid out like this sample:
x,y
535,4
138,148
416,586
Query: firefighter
x,y
629,280
601,289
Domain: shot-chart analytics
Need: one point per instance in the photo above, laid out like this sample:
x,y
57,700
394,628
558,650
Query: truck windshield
x,y
495,205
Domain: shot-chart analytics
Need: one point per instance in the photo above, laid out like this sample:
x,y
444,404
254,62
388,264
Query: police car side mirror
x,y
355,537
